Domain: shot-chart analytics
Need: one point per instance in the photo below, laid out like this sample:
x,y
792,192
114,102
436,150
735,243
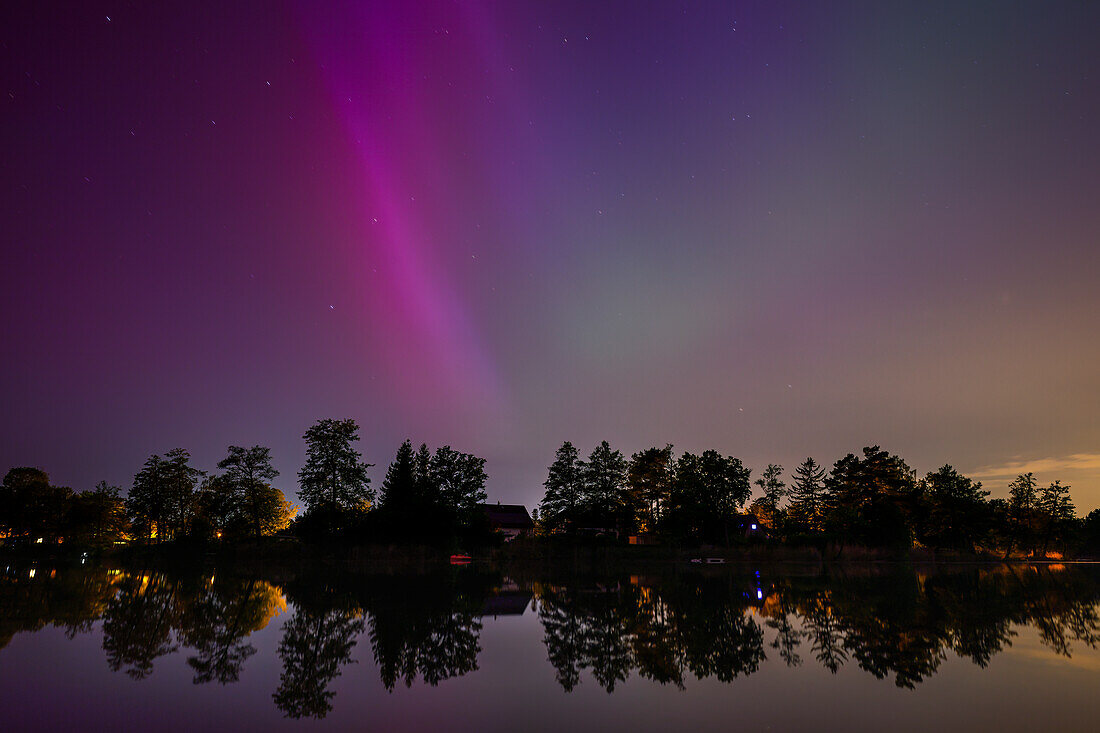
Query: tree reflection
x,y
824,632
138,623
217,622
897,624
435,646
315,645
426,626
613,630
32,597
891,621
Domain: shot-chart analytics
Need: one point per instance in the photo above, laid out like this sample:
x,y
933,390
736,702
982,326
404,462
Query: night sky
x,y
773,229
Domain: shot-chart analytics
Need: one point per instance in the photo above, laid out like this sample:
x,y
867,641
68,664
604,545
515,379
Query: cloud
x,y
1075,462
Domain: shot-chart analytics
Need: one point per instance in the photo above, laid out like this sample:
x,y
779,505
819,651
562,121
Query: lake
x,y
684,647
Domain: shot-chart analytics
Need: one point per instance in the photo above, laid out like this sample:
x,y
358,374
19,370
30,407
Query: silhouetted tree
x,y
1023,495
248,472
958,510
1090,533
458,479
162,499
1057,512
426,492
97,517
17,496
649,484
708,492
561,504
30,506
774,489
181,481
871,498
333,477
807,495
219,506
400,488
603,476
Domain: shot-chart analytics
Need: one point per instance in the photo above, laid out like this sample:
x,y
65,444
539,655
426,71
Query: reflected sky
x,y
849,647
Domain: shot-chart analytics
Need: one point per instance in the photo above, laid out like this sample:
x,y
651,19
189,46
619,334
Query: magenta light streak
x,y
433,352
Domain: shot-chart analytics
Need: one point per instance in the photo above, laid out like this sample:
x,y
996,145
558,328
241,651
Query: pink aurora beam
x,y
422,329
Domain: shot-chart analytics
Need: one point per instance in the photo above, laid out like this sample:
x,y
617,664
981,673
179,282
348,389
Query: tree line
x,y
872,499
171,499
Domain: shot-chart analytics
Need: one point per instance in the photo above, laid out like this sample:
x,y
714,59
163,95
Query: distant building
x,y
511,520
751,526
506,603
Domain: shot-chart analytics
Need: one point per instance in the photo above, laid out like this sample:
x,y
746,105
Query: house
x,y
506,603
511,520
750,526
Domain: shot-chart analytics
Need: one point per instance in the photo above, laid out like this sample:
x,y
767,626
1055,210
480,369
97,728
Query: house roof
x,y
511,516
507,603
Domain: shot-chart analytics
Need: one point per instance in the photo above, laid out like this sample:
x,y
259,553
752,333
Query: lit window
x,y
754,526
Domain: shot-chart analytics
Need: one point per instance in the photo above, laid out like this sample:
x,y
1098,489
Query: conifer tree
x,y
807,495
399,488
1023,495
603,476
562,501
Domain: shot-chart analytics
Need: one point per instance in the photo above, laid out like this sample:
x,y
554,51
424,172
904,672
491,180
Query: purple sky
x,y
774,229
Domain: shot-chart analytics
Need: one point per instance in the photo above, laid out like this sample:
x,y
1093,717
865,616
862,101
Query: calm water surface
x,y
875,647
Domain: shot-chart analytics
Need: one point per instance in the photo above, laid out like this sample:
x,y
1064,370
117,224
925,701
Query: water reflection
x,y
894,623
316,644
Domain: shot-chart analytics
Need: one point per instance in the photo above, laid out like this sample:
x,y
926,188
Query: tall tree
x,y
334,477
248,471
708,492
180,481
957,509
399,488
872,497
1057,511
31,506
148,499
604,479
458,479
726,485
773,490
561,503
807,495
97,517
649,483
1023,495
425,490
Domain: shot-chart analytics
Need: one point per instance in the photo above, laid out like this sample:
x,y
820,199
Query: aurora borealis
x,y
775,229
